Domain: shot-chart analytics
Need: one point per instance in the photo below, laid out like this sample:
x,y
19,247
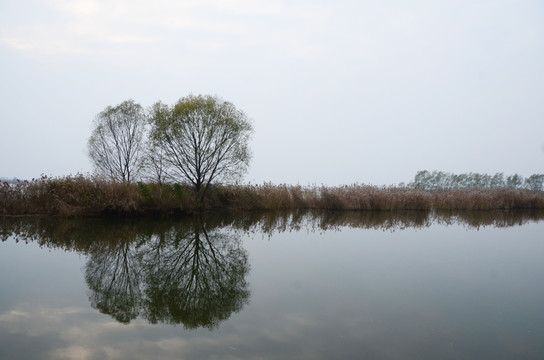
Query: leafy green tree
x,y
438,180
116,145
421,180
514,181
497,181
203,139
535,182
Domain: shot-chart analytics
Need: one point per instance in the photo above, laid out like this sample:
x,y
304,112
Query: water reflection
x,y
189,272
317,221
193,271
186,274
81,234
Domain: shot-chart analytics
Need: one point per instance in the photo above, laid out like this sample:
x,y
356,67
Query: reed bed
x,y
352,197
92,196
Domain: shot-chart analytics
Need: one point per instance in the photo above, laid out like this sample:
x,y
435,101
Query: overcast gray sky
x,y
339,91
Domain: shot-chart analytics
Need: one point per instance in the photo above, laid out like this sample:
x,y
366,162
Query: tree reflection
x,y
197,280
185,275
114,282
192,271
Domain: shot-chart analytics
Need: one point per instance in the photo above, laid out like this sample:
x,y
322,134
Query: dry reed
x,y
87,196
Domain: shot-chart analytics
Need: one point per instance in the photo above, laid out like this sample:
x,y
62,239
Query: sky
x,y
339,92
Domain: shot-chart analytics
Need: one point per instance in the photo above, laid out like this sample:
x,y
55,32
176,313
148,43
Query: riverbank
x,y
85,196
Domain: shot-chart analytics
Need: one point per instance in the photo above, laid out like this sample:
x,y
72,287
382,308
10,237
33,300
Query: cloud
x,y
13,316
78,7
404,77
79,333
71,352
142,32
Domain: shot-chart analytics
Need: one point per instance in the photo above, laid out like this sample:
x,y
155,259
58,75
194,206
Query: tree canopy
x,y
203,139
198,140
117,142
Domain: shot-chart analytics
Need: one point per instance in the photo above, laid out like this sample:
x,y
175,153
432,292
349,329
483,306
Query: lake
x,y
304,285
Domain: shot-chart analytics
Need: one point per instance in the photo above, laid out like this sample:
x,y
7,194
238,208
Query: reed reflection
x,y
193,271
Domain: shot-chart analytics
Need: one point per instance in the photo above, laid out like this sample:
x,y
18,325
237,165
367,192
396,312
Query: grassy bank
x,y
85,196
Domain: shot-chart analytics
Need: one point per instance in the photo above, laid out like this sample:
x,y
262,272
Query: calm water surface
x,y
277,286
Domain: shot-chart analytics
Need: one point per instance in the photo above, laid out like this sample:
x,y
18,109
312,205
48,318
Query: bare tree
x,y
204,139
116,144
156,166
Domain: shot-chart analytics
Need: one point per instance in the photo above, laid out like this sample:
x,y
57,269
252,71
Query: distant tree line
x,y
199,140
8,180
438,180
